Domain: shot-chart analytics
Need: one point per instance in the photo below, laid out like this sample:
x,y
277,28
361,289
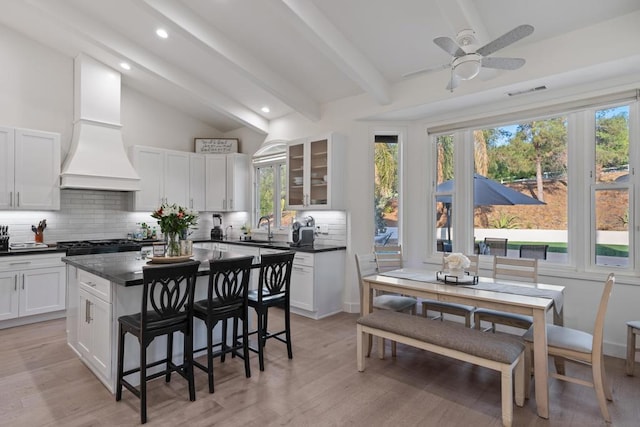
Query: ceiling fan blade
x,y
449,46
503,63
505,40
426,70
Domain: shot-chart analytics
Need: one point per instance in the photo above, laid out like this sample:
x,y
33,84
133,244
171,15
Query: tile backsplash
x,y
92,214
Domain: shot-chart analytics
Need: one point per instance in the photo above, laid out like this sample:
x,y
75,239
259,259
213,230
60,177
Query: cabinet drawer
x,y
303,258
21,262
95,285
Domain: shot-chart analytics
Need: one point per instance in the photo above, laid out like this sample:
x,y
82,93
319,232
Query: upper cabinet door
x,y
216,185
197,180
176,178
7,195
315,173
149,163
237,182
37,170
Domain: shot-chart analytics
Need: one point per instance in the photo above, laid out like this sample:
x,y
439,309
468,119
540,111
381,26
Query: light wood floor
x,y
42,383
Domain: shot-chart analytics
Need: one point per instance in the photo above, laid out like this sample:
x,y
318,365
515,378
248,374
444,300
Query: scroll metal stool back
x,y
167,307
227,298
274,290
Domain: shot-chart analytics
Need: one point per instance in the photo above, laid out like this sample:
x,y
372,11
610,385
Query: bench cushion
x,y
496,347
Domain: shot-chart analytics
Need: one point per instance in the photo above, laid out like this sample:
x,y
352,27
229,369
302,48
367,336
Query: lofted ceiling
x,y
226,59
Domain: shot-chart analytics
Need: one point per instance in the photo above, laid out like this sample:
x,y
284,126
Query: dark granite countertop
x,y
125,268
278,245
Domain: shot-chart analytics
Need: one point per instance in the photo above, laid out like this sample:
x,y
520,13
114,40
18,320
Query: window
x,y
270,171
531,159
579,162
611,187
386,209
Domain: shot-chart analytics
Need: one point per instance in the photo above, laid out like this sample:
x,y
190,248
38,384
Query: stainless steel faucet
x,y
269,235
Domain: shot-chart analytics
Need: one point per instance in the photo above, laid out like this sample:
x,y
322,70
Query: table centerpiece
x,y
174,220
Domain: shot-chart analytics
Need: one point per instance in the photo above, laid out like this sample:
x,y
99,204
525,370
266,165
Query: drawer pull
x,y
93,285
15,282
21,262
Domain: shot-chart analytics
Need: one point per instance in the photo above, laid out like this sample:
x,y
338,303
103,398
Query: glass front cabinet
x,y
315,168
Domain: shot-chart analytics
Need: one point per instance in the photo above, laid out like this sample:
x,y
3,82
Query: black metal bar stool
x,y
167,307
273,291
226,299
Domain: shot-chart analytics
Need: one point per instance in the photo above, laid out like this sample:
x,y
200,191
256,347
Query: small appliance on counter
x,y
4,237
216,231
303,232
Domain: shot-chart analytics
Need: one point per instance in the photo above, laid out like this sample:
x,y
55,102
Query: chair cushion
x,y
153,320
561,337
203,306
253,296
393,302
635,324
514,316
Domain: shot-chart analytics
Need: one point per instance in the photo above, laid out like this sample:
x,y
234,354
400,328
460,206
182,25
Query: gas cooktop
x,y
84,247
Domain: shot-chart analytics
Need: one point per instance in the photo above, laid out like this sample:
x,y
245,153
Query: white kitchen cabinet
x,y
302,282
315,173
94,329
30,172
164,177
227,183
197,180
31,285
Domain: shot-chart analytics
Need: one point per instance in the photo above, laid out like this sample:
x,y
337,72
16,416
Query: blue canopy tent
x,y
486,192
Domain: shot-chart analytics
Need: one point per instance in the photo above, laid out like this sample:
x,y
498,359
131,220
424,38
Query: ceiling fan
x,y
466,62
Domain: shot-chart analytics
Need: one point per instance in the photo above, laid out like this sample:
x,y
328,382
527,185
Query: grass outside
x,y
561,247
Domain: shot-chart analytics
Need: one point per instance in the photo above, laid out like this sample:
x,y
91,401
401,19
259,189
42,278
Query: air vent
x,y
522,92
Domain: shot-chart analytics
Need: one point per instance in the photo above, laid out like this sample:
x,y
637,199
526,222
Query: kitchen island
x,y
103,287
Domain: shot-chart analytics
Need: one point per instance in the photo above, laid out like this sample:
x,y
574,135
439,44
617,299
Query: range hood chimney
x,y
97,159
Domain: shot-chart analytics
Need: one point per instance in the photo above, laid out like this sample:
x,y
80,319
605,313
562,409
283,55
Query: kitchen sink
x,y
262,243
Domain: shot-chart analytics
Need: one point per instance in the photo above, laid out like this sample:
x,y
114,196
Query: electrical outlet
x,y
323,228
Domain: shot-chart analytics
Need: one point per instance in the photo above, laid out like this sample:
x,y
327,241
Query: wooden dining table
x,y
536,300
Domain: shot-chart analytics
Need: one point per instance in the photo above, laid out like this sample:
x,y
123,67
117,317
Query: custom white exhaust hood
x,y
97,159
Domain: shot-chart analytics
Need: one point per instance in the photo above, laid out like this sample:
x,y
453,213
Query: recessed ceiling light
x,y
162,33
125,66
265,109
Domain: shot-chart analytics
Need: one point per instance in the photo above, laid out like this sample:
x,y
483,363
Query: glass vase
x,y
173,244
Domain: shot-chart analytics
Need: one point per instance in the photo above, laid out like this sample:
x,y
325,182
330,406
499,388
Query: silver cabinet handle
x,y
93,285
15,282
87,309
11,198
18,203
191,203
21,262
231,204
23,282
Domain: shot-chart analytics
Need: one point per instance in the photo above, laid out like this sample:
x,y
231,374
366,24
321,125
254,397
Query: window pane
x,y
612,144
286,217
525,163
266,185
386,189
612,227
444,191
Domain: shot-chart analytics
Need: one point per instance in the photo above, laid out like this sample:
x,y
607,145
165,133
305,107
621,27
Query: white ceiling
x,y
225,59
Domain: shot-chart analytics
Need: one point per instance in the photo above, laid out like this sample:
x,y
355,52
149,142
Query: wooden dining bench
x,y
494,351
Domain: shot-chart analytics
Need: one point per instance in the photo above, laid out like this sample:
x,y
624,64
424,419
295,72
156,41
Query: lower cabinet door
x,y
100,316
42,290
94,332
302,287
9,295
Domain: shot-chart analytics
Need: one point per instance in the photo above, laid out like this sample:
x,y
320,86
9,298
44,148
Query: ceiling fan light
x,y
466,69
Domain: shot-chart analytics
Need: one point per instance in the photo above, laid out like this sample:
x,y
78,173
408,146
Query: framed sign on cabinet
x,y
216,145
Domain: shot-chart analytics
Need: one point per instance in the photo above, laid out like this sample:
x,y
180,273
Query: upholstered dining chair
x,y
367,266
167,307
274,290
227,299
454,309
581,347
633,329
515,269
